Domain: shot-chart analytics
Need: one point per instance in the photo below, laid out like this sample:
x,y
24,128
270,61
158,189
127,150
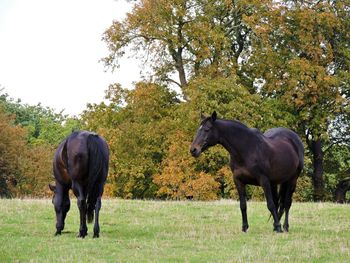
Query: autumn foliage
x,y
12,143
179,179
29,136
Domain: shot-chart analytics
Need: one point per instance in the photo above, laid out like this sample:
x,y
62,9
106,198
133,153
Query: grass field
x,y
155,231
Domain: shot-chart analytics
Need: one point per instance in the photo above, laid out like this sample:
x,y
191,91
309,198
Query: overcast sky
x,y
49,51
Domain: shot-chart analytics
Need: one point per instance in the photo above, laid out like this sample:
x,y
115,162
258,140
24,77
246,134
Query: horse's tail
x,y
281,197
279,200
98,168
299,149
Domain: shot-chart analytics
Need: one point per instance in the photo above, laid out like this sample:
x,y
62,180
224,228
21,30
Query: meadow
x,y
164,231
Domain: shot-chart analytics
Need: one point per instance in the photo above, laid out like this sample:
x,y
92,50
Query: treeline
x,y
265,63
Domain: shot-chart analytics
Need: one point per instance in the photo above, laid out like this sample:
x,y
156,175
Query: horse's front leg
x,y
59,215
60,204
266,185
242,202
65,205
78,190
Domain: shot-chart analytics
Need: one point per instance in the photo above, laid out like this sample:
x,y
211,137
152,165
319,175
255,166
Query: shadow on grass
x,y
67,232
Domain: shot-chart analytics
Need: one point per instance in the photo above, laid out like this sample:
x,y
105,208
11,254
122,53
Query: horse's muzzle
x,y
195,152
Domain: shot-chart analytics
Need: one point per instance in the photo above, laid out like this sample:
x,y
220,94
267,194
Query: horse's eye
x,y
206,129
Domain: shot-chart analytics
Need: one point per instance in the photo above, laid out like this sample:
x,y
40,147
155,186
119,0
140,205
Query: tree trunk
x,y
182,73
317,177
179,65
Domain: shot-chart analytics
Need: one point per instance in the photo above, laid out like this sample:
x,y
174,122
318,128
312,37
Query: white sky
x,y
49,51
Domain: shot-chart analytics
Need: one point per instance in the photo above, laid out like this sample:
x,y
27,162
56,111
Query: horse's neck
x,y
236,138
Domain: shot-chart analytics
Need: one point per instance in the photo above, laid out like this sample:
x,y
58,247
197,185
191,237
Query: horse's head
x,y
61,202
207,135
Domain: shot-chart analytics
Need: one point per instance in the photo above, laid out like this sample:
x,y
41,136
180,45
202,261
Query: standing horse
x,y
275,157
81,164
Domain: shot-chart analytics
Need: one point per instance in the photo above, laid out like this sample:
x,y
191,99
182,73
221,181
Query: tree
x,y
186,37
300,56
43,124
12,147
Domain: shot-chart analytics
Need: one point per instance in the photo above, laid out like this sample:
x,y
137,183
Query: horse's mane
x,y
234,123
239,126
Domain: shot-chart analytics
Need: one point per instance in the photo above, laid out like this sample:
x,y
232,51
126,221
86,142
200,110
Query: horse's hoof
x,y
82,235
96,235
278,229
245,229
286,228
58,233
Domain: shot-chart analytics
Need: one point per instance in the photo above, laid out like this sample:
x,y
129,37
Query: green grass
x,y
155,231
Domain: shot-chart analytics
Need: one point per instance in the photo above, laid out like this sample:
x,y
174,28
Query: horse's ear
x,y
213,116
52,187
202,116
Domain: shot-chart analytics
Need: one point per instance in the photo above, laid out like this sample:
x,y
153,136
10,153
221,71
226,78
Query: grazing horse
x,y
81,164
269,159
340,192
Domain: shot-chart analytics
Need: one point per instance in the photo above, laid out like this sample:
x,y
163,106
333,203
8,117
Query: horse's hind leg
x,y
78,191
282,197
82,210
265,183
97,212
274,194
288,202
